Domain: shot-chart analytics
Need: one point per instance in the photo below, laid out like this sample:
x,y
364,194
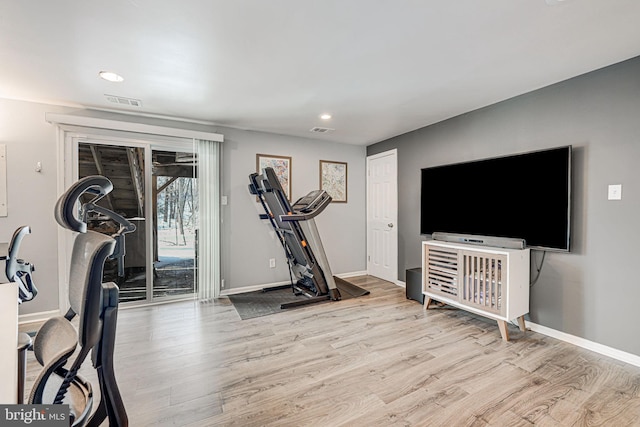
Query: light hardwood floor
x,y
378,360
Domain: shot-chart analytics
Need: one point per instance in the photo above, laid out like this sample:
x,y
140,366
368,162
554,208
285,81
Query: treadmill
x,y
296,229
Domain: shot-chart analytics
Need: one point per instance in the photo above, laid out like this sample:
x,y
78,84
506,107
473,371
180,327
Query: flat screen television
x,y
524,196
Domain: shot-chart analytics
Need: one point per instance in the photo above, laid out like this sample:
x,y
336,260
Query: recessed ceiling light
x,y
110,76
325,116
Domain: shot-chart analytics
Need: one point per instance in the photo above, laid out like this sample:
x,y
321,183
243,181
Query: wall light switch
x,y
615,192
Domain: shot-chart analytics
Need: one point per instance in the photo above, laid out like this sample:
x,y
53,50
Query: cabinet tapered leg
x,y
503,329
427,301
521,323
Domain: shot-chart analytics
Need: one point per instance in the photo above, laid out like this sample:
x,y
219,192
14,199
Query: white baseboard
x,y
137,304
620,355
352,274
244,289
37,317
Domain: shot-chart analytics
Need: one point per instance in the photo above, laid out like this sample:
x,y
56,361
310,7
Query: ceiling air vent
x,y
120,100
320,130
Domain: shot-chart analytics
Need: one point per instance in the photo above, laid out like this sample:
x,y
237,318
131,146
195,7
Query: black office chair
x,y
58,346
18,270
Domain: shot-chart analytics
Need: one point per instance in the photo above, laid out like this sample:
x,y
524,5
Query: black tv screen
x,y
525,196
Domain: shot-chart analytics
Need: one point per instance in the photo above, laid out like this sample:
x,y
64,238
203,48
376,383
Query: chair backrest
x,y
96,314
17,270
90,251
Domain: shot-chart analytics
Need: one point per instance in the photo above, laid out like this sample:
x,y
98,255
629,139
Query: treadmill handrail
x,y
299,216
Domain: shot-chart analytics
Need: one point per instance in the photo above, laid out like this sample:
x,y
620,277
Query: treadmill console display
x,y
309,201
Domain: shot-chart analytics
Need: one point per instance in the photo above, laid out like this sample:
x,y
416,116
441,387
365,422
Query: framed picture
x,y
282,167
333,179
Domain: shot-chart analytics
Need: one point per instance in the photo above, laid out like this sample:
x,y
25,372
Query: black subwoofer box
x,y
414,285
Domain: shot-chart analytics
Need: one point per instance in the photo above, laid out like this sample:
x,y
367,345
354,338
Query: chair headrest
x,y
66,212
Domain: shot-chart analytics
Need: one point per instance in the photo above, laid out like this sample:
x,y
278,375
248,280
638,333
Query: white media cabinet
x,y
492,282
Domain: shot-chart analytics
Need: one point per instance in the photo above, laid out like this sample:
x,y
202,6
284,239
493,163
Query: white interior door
x,y
382,215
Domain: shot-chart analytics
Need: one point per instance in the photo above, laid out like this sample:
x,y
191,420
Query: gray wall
x,y
592,292
31,196
247,242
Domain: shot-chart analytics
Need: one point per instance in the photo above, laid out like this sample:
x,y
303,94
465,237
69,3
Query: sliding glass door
x,y
175,194
156,189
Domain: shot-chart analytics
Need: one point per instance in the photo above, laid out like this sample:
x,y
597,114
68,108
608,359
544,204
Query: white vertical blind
x,y
209,218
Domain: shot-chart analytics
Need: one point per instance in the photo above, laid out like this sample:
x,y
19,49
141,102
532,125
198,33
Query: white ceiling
x,y
380,67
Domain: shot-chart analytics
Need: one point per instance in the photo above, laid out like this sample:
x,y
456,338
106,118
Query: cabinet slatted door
x,y
482,283
442,271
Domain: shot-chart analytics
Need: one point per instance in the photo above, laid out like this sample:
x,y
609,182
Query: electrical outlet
x,y
222,284
272,263
615,192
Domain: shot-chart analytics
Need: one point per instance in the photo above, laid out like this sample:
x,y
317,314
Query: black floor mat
x,y
349,290
259,303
